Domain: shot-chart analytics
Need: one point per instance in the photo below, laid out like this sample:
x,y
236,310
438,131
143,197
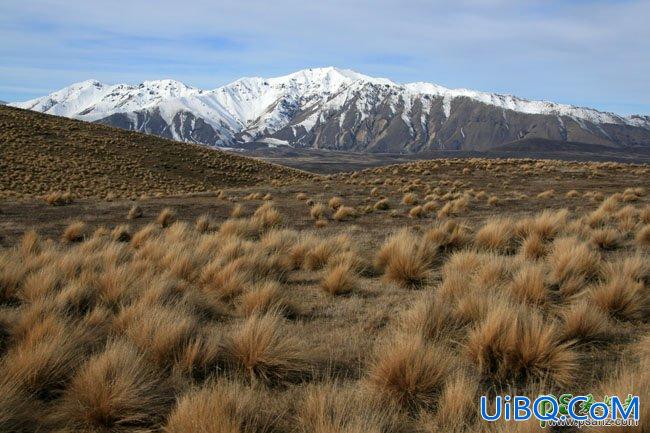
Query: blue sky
x,y
584,52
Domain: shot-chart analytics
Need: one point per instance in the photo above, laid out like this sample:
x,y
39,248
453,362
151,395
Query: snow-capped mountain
x,y
338,109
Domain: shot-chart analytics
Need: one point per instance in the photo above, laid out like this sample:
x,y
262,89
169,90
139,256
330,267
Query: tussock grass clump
x,y
496,235
545,195
320,252
382,204
416,212
335,202
334,407
344,213
19,412
410,371
237,211
454,207
158,331
260,349
410,199
219,407
606,239
515,345
430,206
318,211
113,391
146,233
456,406
528,285
572,265
546,225
266,297
47,355
204,223
266,217
166,217
622,298
572,194
135,212
121,233
585,323
339,279
58,198
75,232
30,243
533,247
401,261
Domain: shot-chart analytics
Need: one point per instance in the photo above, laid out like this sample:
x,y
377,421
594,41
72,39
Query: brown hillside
x,y
42,153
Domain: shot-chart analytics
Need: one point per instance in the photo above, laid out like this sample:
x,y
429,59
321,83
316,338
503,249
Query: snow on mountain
x,y
301,106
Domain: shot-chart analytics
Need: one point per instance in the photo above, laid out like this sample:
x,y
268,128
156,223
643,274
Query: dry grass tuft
x,y
496,235
75,232
622,298
410,199
410,371
528,285
58,198
267,297
546,194
237,211
320,252
344,213
382,204
401,261
261,350
135,212
343,408
606,239
416,212
335,202
219,407
515,345
204,223
318,211
114,391
572,265
121,233
585,323
339,279
166,217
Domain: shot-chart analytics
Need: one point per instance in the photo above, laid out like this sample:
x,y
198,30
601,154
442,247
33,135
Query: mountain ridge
x,y
338,109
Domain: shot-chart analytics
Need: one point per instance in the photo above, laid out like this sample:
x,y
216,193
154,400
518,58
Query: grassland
x,y
381,300
41,154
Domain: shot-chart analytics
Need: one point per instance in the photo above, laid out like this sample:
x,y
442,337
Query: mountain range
x,y
337,109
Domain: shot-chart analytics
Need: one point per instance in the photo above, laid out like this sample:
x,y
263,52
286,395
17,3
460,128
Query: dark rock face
x,y
471,125
184,126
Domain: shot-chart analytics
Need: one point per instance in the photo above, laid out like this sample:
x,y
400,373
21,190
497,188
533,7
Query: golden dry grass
x,y
67,158
213,323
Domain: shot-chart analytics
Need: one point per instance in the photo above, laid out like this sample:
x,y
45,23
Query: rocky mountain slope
x,y
330,108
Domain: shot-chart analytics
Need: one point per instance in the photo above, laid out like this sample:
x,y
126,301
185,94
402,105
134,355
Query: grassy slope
x,y
42,153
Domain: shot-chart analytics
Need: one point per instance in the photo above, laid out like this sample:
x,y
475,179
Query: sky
x,y
592,53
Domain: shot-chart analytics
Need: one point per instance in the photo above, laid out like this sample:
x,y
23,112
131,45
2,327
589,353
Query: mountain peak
x,y
165,83
338,108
